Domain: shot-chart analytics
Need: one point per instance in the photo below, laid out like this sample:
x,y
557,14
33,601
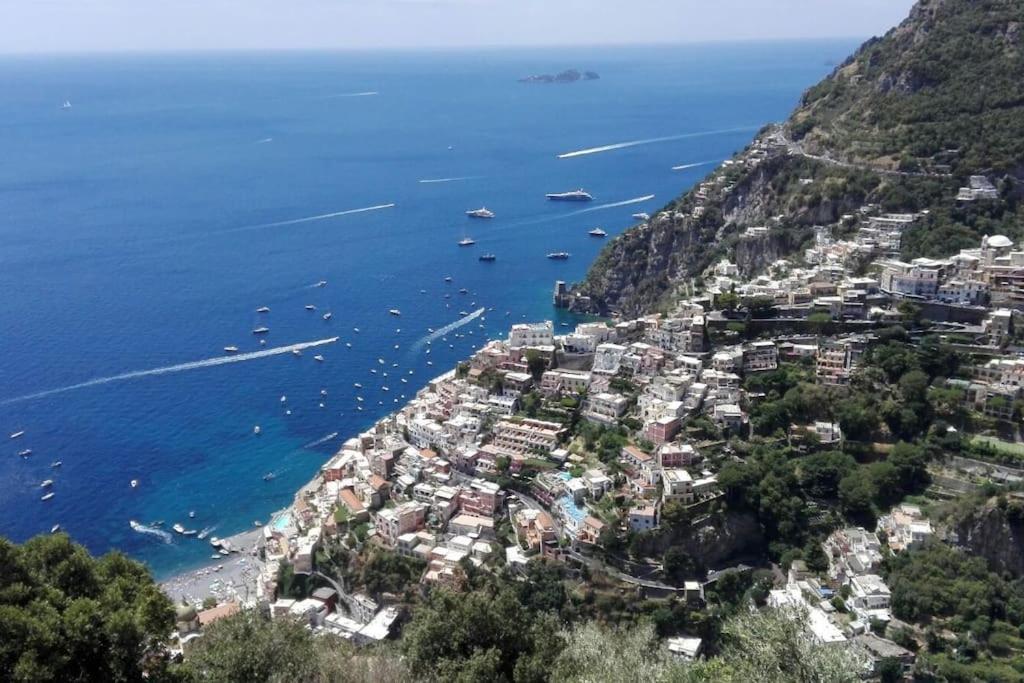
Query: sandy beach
x,y
232,577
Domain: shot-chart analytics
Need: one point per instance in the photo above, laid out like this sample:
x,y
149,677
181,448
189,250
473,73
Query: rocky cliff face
x,y
646,265
995,533
938,98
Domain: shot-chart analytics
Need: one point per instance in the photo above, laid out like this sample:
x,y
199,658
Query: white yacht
x,y
467,242
393,311
17,435
261,330
47,483
310,307
579,195
482,212
47,496
263,309
230,349
597,232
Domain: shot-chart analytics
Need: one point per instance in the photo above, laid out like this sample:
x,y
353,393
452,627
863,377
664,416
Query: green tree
x,y
250,647
487,634
65,616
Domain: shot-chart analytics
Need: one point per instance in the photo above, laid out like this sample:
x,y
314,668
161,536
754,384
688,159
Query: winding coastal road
x,y
797,149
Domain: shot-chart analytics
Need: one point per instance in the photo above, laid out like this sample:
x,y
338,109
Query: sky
x,y
45,26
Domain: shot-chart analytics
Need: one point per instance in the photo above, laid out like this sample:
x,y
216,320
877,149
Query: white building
x,y
525,335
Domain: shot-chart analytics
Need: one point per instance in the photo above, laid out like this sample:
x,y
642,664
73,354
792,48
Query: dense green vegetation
x,y
947,86
65,616
972,617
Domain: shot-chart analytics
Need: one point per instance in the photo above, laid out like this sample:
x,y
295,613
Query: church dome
x,y
998,242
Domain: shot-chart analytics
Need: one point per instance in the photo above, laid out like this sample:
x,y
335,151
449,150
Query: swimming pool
x,y
282,522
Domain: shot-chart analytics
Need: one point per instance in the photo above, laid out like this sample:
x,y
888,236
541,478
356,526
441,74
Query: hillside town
x,y
566,447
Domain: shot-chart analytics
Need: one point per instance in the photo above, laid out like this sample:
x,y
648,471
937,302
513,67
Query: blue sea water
x,y
142,227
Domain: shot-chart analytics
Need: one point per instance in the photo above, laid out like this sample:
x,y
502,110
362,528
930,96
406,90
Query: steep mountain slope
x,y
901,124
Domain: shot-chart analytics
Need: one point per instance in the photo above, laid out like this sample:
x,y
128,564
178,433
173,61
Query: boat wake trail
x,y
182,367
153,531
683,167
650,141
368,93
432,181
625,202
451,327
305,219
321,441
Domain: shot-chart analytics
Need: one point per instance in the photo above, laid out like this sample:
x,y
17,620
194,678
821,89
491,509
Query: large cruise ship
x,y
579,195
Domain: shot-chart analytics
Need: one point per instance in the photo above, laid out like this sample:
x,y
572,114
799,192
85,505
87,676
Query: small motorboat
x,y
230,349
57,463
395,312
467,242
256,429
263,309
47,496
318,358
178,528
321,283
296,352
597,232
261,330
327,315
55,528
47,483
18,435
192,514
25,453
357,385
310,307
448,278
488,258
134,483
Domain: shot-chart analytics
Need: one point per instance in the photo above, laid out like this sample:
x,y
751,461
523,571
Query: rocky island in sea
x,y
568,76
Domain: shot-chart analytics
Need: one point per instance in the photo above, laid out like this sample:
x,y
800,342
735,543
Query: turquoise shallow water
x,y
142,227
